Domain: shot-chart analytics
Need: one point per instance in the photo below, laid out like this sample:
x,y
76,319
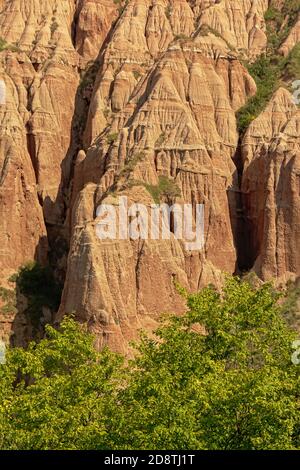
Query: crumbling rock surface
x,y
105,97
270,186
292,39
181,119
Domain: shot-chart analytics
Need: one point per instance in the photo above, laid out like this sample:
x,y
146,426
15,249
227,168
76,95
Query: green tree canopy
x,y
219,377
53,395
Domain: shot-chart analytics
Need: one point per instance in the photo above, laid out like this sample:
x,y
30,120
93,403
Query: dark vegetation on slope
x,y
37,285
272,70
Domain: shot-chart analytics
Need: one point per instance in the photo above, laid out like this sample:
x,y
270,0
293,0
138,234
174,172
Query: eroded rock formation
x,y
103,99
292,39
270,185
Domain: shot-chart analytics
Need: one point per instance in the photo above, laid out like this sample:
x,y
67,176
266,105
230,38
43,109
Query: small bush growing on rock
x,y
111,138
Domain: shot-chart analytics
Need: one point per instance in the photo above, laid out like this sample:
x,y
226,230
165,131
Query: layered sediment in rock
x,y
41,66
55,40
42,52
147,29
292,39
270,186
240,23
180,123
106,97
23,234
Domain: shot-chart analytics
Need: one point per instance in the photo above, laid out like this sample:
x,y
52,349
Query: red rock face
x,y
91,85
271,149
292,39
23,234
